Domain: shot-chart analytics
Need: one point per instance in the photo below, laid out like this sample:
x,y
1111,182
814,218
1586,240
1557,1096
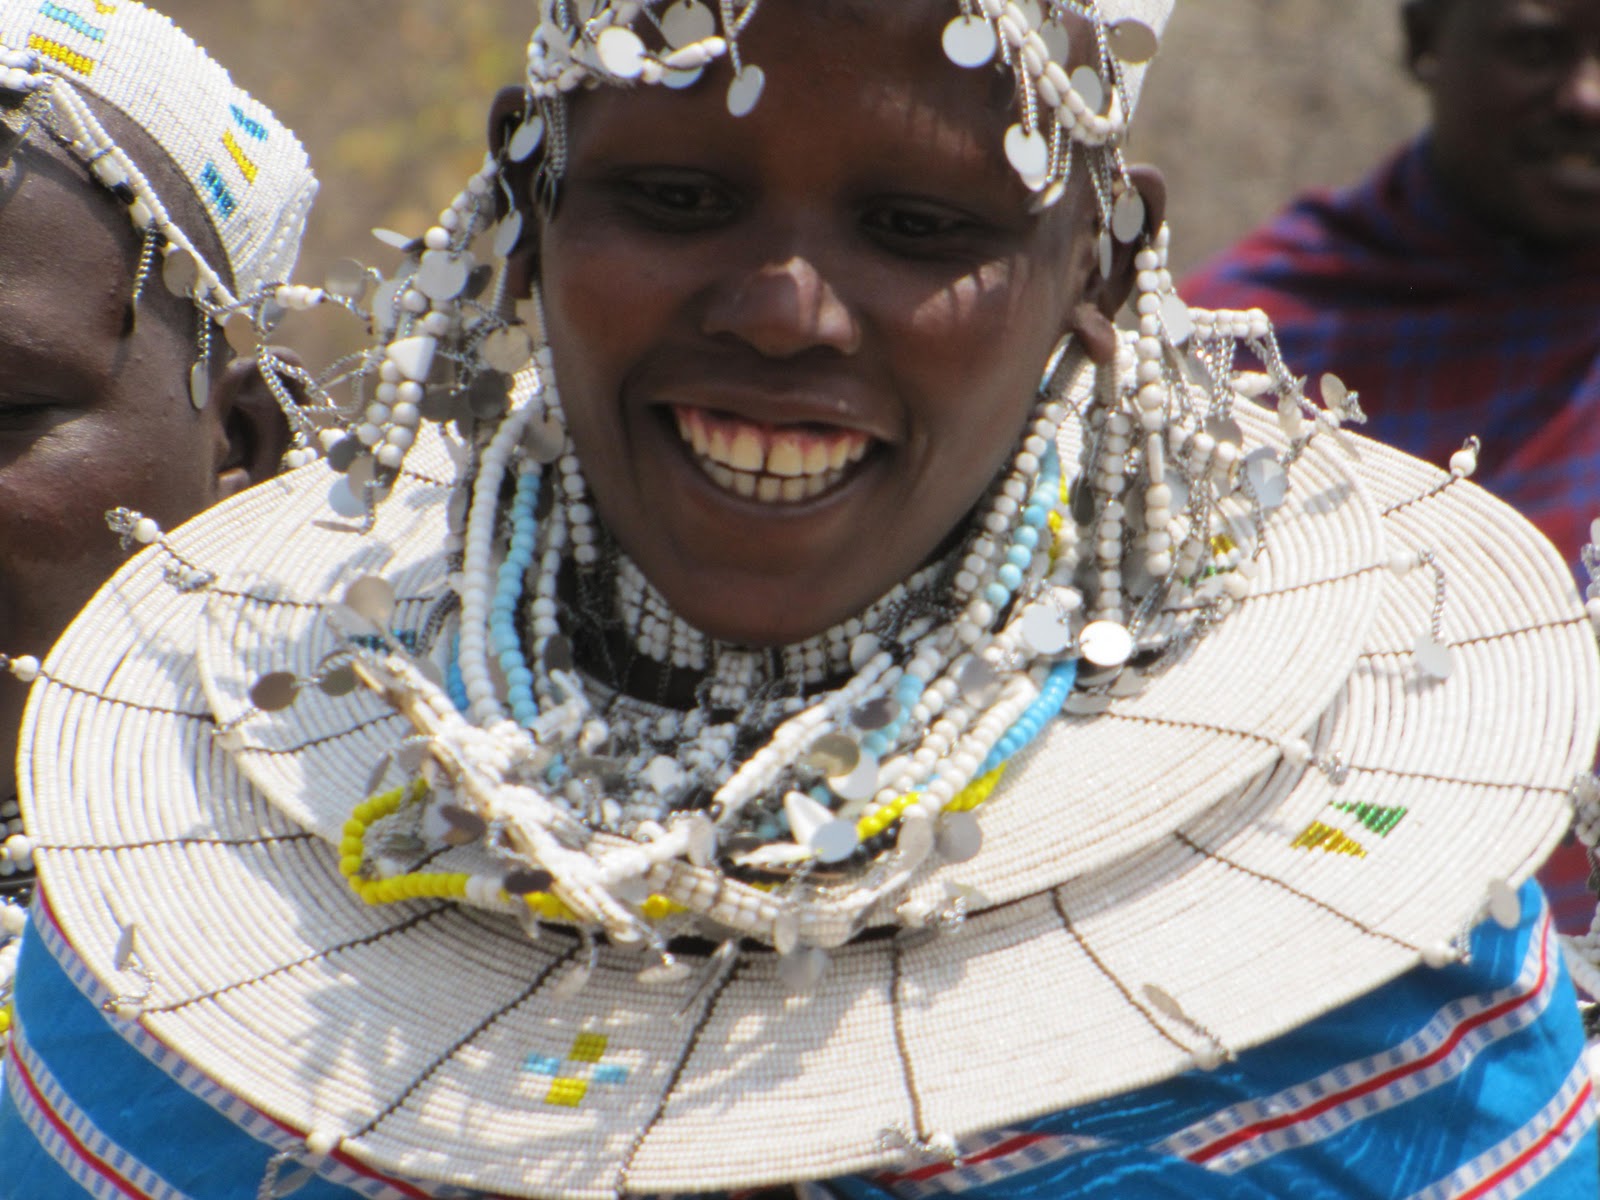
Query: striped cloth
x,y
1446,330
1463,1083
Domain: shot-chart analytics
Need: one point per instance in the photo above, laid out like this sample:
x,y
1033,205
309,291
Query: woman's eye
x,y
680,201
22,418
909,223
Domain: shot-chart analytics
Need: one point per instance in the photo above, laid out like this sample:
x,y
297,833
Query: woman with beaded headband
x,y
827,706
126,225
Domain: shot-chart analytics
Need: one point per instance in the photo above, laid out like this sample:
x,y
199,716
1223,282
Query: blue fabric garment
x,y
1466,1082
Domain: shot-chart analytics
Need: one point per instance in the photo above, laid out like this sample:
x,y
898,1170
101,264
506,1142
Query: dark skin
x,y
94,397
854,263
1514,87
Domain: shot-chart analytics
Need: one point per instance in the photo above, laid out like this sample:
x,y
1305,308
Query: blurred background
x,y
1251,101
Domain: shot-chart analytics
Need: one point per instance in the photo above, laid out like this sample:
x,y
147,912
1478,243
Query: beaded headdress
x,y
250,173
1172,711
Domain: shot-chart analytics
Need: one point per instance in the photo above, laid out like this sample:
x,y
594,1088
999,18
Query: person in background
x,y
1457,288
140,190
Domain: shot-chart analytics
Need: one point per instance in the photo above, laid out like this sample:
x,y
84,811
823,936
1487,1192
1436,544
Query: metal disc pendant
x,y
526,882
1175,316
803,970
240,331
507,234
1032,13
1046,631
338,682
275,692
861,784
960,837
875,714
489,395
835,755
180,271
526,140
1108,256
463,827
397,241
1434,659
745,91
1267,478
508,349
979,681
1028,151
970,42
545,440
344,500
442,275
621,52
386,304
1334,393
1091,90
687,22
680,81
1128,217
1133,41
200,385
373,598
348,279
1106,644
835,842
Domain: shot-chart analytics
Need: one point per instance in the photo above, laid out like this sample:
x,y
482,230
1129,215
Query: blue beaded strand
x,y
1025,541
509,585
1052,698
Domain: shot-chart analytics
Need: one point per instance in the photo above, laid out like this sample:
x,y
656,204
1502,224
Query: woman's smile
x,y
778,465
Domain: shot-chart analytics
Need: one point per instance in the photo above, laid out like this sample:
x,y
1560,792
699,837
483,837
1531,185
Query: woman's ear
x,y
249,430
506,115
1093,321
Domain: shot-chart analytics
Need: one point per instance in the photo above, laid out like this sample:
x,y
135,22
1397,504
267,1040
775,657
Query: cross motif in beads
x,y
583,1068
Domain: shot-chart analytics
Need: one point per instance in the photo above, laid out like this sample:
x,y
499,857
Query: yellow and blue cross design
x,y
583,1068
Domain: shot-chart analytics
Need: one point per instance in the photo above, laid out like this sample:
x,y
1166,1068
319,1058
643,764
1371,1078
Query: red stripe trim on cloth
x,y
1500,1020
271,1133
1567,1119
68,1136
1583,1098
1010,1146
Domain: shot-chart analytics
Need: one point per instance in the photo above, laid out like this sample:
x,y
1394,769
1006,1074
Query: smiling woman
x,y
826,709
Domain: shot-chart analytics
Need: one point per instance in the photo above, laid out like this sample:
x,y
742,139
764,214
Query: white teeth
x,y
780,468
747,453
786,460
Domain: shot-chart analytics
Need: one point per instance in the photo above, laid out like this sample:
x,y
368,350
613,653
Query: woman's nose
x,y
783,308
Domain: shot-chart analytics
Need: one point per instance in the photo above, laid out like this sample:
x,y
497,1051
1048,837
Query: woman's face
x,y
796,348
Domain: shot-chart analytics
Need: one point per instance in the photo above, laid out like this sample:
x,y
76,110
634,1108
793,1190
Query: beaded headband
x,y
670,44
250,173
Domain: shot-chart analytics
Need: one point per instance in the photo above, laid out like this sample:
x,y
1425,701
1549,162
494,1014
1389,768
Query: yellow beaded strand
x,y
439,885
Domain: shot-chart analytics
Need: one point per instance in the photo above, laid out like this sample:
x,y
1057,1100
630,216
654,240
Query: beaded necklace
x,y
801,791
